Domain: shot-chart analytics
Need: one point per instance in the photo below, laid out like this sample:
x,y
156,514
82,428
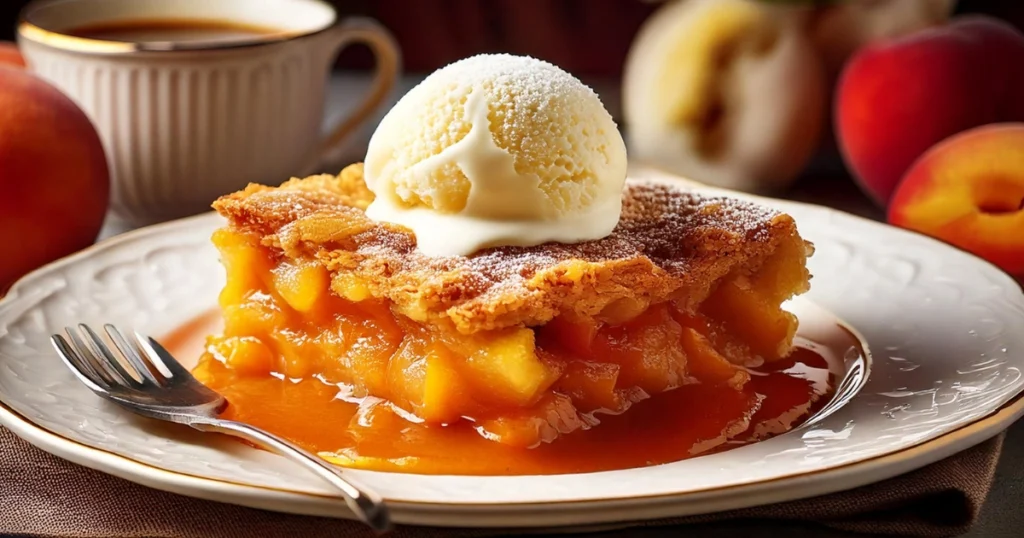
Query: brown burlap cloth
x,y
42,495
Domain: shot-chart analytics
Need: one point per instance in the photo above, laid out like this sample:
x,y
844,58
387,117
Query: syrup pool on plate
x,y
369,433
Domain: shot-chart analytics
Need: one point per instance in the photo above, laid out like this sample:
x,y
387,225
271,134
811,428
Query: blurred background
x,y
592,39
852,104
586,37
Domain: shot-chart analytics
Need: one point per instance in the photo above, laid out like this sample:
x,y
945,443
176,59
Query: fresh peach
x,y
726,92
838,29
54,180
897,98
969,191
10,55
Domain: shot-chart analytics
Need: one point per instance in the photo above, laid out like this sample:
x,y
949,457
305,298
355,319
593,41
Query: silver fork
x,y
150,382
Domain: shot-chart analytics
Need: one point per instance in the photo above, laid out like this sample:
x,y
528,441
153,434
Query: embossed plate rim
x,y
510,515
692,496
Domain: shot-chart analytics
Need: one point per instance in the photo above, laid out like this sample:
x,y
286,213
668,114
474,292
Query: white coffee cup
x,y
185,122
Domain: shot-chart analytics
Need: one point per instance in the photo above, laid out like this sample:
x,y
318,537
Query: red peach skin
x,y
10,55
54,180
897,98
969,191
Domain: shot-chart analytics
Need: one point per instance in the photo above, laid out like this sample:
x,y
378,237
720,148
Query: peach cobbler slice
x,y
525,343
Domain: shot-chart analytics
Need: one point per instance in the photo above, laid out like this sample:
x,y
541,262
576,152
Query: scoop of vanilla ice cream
x,y
497,150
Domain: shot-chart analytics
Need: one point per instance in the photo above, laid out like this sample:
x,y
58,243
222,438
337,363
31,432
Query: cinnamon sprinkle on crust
x,y
670,244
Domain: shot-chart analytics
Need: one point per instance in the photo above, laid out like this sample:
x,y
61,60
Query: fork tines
x,y
95,363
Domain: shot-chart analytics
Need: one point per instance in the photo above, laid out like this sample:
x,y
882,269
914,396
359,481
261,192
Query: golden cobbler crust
x,y
670,244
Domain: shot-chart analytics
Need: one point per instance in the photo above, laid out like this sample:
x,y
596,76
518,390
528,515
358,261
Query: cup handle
x,y
388,57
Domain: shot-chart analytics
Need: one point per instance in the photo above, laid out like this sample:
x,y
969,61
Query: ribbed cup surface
x,y
182,128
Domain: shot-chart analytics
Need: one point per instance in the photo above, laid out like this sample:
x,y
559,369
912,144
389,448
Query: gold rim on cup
x,y
32,30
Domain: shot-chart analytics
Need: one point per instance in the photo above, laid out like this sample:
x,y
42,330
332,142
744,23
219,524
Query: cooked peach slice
x,y
423,379
256,316
552,416
443,398
246,355
735,304
299,357
243,262
708,365
367,361
591,385
573,335
406,375
505,367
301,285
647,349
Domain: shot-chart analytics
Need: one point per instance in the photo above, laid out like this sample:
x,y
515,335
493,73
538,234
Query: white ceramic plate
x,y
944,327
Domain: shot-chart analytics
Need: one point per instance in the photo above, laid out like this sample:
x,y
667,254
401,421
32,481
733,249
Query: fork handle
x,y
368,506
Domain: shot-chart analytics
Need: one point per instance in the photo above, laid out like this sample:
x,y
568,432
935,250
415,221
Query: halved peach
x,y
968,190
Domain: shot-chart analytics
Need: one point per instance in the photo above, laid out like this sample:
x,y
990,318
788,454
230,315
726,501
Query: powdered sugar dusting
x,y
660,222
530,81
668,239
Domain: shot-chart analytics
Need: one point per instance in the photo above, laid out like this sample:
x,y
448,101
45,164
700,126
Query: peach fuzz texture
x,y
54,179
897,98
10,55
